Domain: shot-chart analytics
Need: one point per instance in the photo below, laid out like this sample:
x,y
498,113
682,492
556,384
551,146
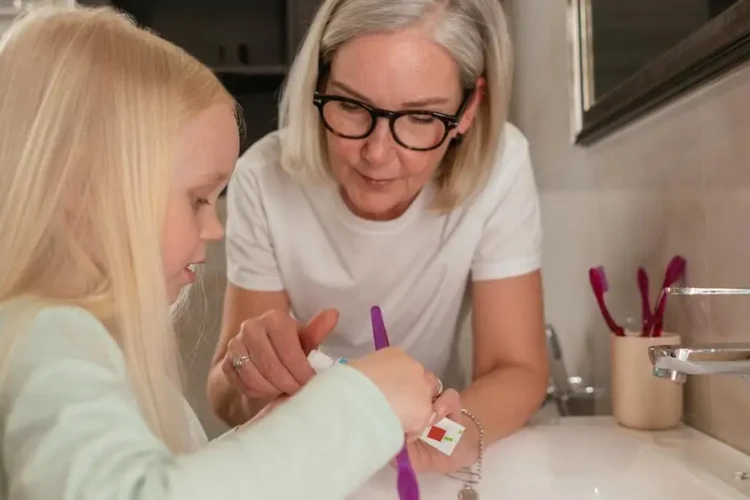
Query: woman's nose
x,y
379,144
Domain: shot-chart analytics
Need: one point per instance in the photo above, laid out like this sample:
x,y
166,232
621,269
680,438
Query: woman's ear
x,y
467,119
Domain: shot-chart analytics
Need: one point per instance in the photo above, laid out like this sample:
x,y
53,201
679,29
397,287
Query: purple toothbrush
x,y
408,488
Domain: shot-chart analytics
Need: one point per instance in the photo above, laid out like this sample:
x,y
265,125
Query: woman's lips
x,y
375,182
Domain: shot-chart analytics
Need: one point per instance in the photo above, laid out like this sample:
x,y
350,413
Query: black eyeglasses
x,y
417,130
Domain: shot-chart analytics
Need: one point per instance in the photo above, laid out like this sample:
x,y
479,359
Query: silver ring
x,y
238,362
440,389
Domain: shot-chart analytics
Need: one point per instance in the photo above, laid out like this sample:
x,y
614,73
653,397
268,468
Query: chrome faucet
x,y
676,363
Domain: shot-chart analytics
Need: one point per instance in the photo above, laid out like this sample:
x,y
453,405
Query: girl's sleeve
x,y
71,429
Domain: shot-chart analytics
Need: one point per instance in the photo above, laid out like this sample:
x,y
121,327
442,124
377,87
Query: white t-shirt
x,y
283,235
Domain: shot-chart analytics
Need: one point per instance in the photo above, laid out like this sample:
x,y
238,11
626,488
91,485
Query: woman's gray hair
x,y
474,32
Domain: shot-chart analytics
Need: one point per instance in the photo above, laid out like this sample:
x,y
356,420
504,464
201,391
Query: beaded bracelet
x,y
471,478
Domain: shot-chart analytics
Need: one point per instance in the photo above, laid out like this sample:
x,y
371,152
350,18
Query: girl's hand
x,y
406,385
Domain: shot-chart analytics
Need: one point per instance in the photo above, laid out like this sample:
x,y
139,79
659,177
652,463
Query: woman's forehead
x,y
398,67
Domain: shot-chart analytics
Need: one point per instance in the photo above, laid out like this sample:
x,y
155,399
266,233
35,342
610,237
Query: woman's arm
x,y
510,364
231,405
511,370
254,281
72,429
510,373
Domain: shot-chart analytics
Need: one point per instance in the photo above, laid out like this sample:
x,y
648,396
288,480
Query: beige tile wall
x,y
675,182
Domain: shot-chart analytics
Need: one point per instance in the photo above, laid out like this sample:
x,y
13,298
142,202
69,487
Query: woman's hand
x,y
268,357
270,407
424,457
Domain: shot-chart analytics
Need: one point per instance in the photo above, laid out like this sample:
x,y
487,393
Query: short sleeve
x,y
511,240
251,258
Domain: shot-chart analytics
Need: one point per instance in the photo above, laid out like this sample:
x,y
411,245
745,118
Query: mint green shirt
x,y
70,428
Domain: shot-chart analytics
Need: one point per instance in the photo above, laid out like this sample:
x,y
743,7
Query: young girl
x,y
114,146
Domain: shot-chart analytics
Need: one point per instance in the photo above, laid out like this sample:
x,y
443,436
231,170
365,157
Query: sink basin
x,y
588,458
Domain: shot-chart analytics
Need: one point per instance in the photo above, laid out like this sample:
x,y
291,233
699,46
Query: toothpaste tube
x,y
320,361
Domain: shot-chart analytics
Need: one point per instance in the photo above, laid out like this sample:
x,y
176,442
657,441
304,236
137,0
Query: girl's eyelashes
x,y
198,201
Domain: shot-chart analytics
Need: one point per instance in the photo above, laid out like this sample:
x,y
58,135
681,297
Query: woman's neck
x,y
393,213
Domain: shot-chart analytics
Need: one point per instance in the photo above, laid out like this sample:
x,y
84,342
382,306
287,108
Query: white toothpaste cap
x,y
320,361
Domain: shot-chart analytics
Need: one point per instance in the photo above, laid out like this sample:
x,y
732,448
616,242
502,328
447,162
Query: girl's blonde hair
x,y
473,31
91,108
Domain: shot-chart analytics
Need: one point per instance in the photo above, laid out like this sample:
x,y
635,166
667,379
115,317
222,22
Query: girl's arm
x,y
71,429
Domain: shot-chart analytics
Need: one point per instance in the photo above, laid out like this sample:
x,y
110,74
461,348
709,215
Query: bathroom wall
x,y
676,182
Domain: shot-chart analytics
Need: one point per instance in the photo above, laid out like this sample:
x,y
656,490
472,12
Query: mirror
x,y
631,57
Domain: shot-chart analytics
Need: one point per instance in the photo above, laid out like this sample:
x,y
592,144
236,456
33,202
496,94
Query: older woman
x,y
394,180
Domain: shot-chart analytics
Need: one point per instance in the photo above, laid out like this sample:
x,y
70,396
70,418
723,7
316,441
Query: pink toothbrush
x,y
645,300
599,285
675,271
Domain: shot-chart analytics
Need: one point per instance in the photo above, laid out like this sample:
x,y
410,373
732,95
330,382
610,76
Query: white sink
x,y
588,458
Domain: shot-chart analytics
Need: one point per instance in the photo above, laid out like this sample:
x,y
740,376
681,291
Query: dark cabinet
x,y
250,44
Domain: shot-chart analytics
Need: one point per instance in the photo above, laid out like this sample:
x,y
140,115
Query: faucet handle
x,y
661,351
660,356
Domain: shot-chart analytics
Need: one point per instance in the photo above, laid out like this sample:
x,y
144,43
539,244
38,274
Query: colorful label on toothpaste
x,y
443,436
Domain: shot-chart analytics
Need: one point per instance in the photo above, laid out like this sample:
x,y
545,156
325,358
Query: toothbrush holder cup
x,y
639,399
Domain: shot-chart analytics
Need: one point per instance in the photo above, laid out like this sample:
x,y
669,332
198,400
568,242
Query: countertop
x,y
587,458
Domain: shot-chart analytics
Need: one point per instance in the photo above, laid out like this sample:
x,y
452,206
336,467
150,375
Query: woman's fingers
x,y
268,357
255,337
317,329
447,405
245,375
282,332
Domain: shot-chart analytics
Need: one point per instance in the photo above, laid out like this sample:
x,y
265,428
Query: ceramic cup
x,y
639,399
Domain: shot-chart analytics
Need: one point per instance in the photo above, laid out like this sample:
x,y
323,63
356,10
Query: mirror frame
x,y
723,43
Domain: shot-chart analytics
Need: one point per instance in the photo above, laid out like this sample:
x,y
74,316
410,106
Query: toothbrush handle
x,y
406,477
379,334
675,270
598,287
645,300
